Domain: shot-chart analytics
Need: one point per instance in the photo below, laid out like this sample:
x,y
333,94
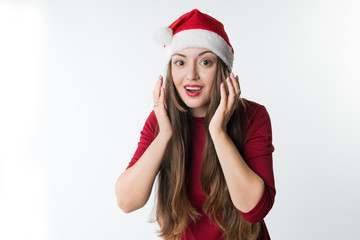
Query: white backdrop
x,y
76,79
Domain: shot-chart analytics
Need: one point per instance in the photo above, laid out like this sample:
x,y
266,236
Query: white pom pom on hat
x,y
164,35
196,29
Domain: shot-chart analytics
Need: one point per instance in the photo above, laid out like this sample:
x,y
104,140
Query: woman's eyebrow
x,y
205,52
179,55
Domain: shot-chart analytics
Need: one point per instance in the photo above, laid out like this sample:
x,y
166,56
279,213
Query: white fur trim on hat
x,y
202,39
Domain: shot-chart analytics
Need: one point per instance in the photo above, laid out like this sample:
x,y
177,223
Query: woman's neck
x,y
197,112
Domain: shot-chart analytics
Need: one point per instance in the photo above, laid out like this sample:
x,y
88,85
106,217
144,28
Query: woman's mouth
x,y
193,90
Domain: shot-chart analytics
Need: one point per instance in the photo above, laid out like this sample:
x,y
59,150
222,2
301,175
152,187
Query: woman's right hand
x,y
160,109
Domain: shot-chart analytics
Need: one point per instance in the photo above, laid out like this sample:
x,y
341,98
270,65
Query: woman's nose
x,y
192,72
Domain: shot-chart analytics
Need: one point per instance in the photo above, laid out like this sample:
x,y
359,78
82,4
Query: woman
x,y
211,148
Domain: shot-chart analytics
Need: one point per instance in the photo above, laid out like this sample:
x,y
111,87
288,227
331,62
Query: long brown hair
x,y
174,212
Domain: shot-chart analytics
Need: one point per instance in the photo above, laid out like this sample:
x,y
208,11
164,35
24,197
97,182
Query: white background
x,y
76,79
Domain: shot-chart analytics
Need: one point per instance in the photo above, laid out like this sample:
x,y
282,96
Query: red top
x,y
257,154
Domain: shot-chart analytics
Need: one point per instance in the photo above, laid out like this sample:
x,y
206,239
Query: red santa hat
x,y
196,29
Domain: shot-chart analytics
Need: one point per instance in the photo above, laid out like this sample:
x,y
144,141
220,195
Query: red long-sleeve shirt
x,y
257,154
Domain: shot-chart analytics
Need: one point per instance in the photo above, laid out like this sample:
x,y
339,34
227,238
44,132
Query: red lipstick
x,y
192,90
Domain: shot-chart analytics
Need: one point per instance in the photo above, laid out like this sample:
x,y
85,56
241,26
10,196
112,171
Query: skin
x,y
193,66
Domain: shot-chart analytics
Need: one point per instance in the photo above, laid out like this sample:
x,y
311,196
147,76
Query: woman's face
x,y
193,73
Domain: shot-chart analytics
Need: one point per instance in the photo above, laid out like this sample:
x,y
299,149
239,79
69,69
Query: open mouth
x,y
193,90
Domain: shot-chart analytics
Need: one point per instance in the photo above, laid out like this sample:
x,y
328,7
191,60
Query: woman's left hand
x,y
227,105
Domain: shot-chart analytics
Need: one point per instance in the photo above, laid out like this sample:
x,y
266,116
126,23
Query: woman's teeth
x,y
193,89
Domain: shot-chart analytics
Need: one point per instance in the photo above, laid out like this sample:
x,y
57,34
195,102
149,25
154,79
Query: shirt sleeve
x,y
258,155
147,135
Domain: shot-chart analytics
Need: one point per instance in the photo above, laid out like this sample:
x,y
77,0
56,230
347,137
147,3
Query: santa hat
x,y
196,29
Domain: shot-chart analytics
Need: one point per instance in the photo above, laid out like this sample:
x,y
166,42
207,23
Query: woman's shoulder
x,y
253,108
152,116
151,125
256,115
257,130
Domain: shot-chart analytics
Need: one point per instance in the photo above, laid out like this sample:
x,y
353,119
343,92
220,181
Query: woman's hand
x,y
227,105
160,109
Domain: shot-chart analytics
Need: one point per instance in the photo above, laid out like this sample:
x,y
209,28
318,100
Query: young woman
x,y
211,149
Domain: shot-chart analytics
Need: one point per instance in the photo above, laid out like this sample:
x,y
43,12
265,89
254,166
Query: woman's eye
x,y
179,63
205,62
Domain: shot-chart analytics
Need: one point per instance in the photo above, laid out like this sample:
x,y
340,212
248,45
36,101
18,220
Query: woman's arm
x,y
245,186
249,177
257,157
133,187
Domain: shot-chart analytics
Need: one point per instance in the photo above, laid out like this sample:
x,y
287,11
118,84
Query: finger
x,y
223,97
162,97
237,77
236,86
156,91
232,95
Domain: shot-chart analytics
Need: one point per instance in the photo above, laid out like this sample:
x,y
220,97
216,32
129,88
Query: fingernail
x,y
232,74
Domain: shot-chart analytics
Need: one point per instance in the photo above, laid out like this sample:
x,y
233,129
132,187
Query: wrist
x,y
165,135
217,134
